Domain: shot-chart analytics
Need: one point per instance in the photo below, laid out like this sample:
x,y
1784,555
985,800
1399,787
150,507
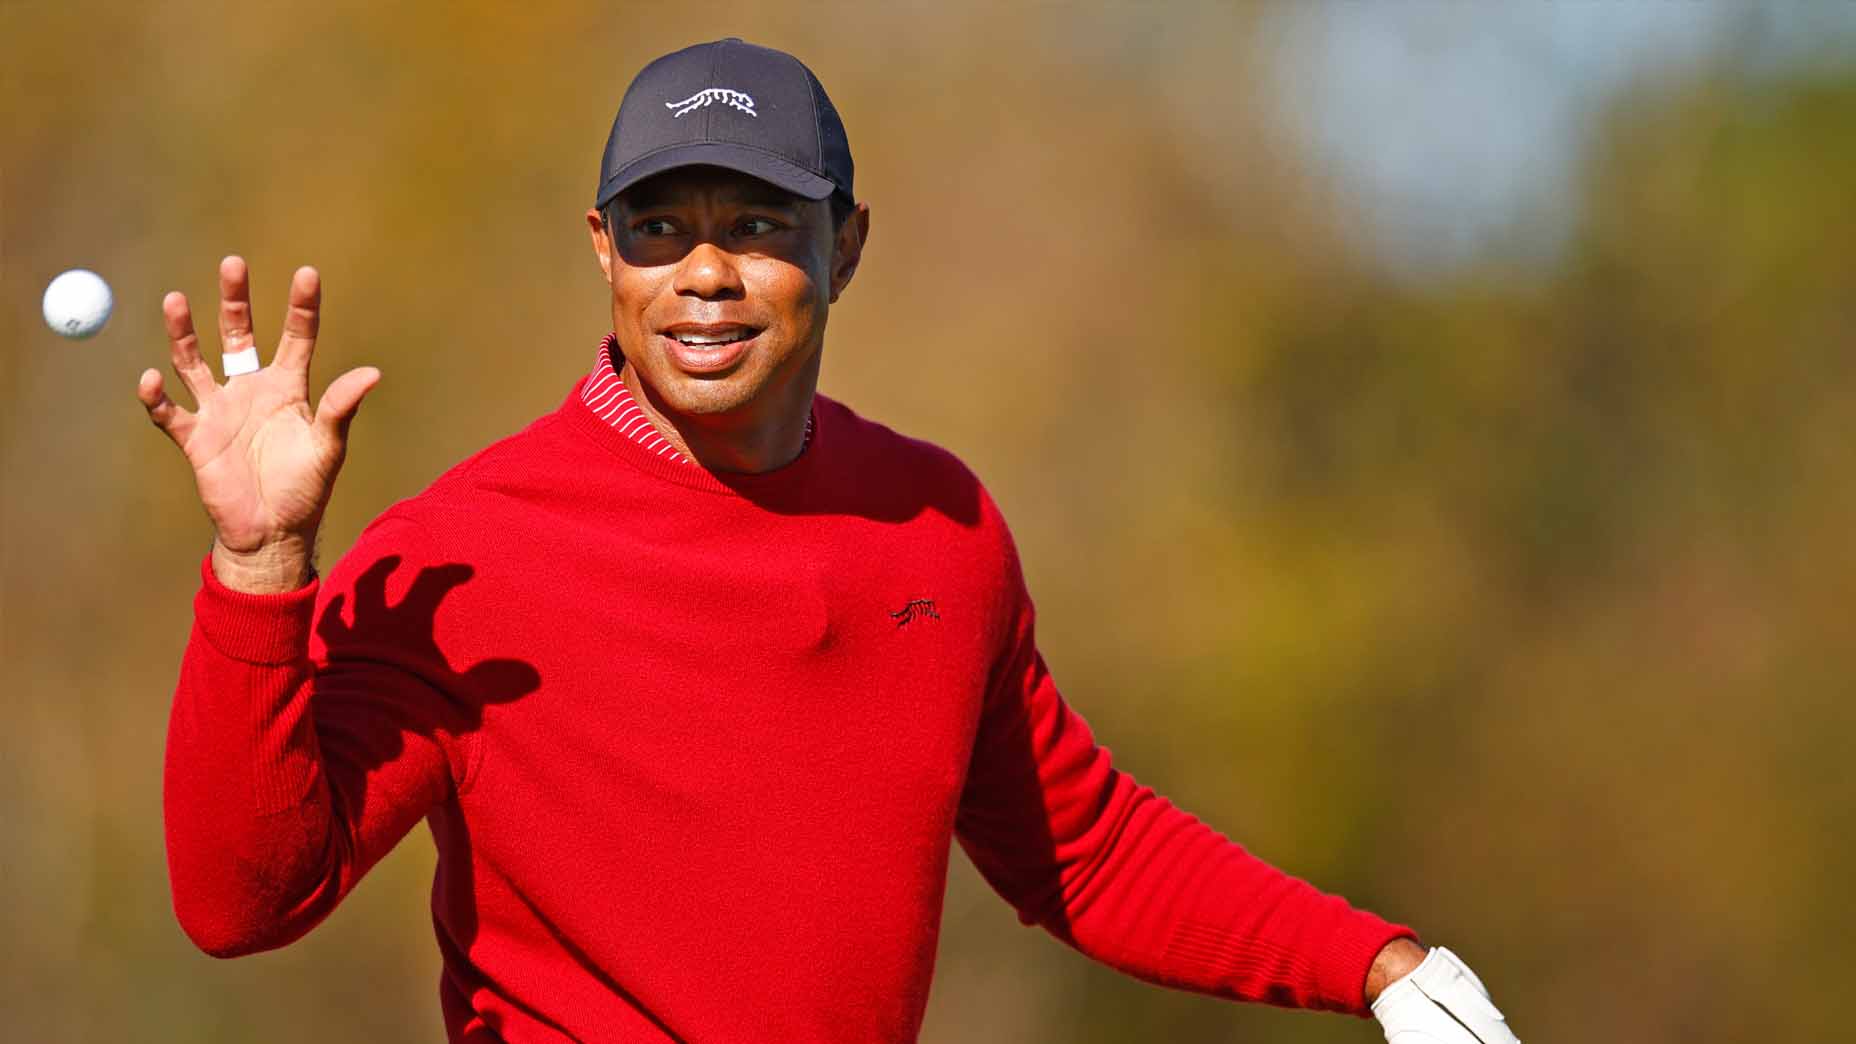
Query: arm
x,y
1120,873
295,763
285,778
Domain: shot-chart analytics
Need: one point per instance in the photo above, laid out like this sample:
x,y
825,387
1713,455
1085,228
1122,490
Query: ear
x,y
602,242
848,249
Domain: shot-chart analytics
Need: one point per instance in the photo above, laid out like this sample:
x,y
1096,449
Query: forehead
x,y
693,185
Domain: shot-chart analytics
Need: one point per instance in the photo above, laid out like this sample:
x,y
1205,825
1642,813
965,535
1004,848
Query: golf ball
x,y
78,303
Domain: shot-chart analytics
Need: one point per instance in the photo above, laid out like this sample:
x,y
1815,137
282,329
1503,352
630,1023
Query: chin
x,y
707,394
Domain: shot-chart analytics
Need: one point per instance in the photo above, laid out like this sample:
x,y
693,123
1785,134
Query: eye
x,y
756,226
656,226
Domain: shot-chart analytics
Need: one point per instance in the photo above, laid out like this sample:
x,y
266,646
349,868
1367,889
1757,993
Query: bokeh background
x,y
1428,427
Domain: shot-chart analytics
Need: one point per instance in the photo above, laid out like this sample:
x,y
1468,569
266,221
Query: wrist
x,y
272,568
1395,961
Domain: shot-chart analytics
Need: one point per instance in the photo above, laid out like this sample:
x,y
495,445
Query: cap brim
x,y
775,170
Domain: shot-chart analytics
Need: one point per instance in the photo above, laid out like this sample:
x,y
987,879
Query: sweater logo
x,y
915,610
732,99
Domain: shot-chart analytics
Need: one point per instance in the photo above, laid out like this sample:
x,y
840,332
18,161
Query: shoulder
x,y
542,448
445,524
530,455
448,517
871,442
917,476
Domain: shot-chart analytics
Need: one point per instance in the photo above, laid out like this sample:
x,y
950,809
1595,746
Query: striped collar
x,y
611,401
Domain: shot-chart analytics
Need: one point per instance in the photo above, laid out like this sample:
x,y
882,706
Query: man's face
x,y
720,287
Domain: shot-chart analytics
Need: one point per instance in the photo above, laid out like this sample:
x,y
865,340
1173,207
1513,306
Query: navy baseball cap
x,y
728,104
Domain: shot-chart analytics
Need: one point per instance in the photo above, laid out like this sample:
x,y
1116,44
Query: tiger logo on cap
x,y
733,99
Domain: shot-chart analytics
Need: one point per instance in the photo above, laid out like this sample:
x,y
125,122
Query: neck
x,y
767,435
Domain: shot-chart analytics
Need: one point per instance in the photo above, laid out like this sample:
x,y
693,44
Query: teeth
x,y
710,339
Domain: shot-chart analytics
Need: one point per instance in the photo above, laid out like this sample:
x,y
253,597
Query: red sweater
x,y
693,749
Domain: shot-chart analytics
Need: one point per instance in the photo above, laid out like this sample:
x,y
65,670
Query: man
x,y
696,679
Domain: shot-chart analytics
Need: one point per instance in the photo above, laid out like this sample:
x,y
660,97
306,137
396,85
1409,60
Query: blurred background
x,y
1428,428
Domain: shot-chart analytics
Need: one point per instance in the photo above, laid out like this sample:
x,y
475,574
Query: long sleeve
x,y
1121,874
309,732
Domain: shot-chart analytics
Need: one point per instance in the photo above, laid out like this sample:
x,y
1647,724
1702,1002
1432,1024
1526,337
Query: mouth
x,y
704,348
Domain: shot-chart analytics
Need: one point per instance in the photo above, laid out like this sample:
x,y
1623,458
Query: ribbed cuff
x,y
263,629
1349,960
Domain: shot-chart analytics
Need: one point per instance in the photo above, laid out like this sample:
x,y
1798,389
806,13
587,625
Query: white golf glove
x,y
1440,1002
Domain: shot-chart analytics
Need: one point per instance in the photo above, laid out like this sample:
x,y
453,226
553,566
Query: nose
x,y
708,272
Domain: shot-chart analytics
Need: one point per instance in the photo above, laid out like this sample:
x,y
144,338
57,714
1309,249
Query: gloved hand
x,y
1440,1002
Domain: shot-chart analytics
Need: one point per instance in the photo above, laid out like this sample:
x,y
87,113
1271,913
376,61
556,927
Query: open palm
x,y
264,462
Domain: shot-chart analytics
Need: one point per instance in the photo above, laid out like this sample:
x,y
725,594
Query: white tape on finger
x,y
240,362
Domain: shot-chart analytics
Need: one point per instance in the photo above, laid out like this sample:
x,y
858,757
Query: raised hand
x,y
263,461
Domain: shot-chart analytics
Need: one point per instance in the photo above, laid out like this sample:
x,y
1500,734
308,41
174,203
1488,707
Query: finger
x,y
301,320
171,419
370,593
235,306
343,397
430,587
184,348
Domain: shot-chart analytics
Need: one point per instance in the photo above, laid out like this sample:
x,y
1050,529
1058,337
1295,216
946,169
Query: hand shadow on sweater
x,y
386,677
402,637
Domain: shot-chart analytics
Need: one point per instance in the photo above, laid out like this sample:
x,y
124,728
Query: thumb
x,y
342,398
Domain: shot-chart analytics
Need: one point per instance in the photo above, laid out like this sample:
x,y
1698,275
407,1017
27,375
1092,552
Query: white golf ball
x,y
78,303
